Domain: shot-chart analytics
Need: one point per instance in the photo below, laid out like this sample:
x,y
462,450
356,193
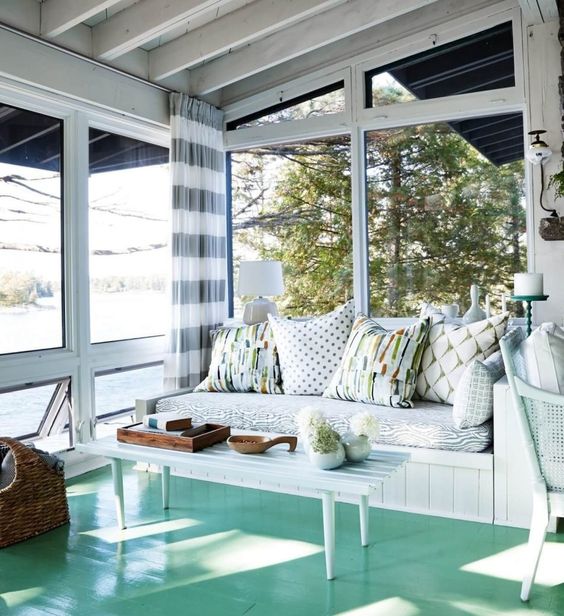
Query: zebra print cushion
x,y
429,425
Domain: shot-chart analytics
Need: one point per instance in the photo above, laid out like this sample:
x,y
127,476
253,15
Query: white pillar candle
x,y
528,284
503,303
488,307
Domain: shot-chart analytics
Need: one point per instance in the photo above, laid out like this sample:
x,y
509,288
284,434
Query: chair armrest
x,y
147,406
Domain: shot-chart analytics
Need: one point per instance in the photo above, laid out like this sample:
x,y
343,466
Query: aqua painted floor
x,y
230,551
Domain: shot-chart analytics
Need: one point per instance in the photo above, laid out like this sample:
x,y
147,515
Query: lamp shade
x,y
260,278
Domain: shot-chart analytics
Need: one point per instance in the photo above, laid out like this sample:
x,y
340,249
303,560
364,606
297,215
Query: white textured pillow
x,y
310,351
450,349
543,352
473,399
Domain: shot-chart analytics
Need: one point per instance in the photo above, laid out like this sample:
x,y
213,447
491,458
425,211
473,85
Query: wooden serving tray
x,y
194,439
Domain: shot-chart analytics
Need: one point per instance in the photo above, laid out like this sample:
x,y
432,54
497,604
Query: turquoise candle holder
x,y
529,299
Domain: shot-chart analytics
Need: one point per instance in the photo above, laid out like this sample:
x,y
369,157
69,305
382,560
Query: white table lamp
x,y
260,278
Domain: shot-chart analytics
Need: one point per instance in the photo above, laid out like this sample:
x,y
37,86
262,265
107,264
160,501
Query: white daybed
x,y
451,471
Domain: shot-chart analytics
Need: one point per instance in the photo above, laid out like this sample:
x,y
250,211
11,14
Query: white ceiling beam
x,y
539,11
143,22
57,16
248,23
309,34
399,34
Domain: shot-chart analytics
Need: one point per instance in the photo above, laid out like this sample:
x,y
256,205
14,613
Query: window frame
x,y
285,104
51,416
79,359
119,370
142,344
359,119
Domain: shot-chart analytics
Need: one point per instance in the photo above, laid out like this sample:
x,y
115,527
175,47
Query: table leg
x,y
363,511
118,491
328,499
166,486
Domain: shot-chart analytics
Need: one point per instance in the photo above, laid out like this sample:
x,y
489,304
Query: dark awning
x,y
477,63
35,140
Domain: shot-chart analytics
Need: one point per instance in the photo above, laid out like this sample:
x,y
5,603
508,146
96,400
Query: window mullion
x,y
78,307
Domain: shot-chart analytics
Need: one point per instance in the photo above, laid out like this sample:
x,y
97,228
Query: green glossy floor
x,y
224,550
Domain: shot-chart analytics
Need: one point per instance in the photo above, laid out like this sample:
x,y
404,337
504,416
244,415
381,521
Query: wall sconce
x,y
552,227
537,154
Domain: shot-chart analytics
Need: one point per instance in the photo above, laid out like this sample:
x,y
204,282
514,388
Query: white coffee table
x,y
275,466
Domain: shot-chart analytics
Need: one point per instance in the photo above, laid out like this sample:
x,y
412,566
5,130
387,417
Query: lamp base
x,y
258,310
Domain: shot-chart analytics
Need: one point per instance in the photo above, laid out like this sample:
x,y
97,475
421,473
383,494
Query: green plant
x,y
557,183
323,438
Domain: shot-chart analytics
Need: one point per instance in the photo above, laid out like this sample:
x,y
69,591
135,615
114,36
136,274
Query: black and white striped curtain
x,y
198,238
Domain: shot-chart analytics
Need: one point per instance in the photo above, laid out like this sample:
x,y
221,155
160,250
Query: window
x,y
31,282
39,411
445,210
293,203
324,101
117,390
476,63
129,213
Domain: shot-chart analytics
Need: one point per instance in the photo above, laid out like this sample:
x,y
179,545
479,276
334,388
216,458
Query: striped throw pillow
x,y
244,359
379,366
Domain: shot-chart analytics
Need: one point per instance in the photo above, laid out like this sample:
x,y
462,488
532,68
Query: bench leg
x,y
118,491
328,499
166,486
363,511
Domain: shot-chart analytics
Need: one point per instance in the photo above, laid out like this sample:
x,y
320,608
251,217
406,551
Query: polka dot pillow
x,y
310,351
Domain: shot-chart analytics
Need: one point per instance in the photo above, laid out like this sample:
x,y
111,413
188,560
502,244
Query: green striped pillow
x,y
244,359
379,366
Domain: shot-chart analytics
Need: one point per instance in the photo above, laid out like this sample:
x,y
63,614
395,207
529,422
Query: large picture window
x,y
293,203
128,225
31,282
446,209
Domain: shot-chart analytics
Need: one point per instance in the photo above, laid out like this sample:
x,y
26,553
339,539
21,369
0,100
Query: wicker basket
x,y
35,501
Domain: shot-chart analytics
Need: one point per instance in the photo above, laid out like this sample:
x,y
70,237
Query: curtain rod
x,y
80,56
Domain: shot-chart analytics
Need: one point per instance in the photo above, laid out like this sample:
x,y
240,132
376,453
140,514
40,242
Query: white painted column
x,y
77,273
359,222
544,113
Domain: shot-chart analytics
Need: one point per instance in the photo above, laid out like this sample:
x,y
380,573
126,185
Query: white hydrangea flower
x,y
307,418
365,424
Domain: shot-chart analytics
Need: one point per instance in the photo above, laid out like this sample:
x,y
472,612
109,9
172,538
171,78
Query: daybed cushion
x,y
428,425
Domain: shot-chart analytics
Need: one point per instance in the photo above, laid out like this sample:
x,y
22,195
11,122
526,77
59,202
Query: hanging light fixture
x,y
537,154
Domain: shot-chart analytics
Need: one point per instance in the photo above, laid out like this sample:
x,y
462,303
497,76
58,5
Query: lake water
x,y
116,316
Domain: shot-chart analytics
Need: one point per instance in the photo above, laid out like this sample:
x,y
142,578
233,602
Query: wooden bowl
x,y
253,443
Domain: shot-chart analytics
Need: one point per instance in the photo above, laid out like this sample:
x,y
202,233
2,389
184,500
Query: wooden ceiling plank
x,y
58,16
242,26
309,34
144,21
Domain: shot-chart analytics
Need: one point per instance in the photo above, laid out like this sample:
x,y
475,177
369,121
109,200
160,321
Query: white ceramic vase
x,y
475,313
357,447
327,461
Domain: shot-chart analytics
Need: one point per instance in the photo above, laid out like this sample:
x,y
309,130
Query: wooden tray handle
x,y
291,440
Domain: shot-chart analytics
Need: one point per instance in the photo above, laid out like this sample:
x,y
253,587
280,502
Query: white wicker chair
x,y
540,415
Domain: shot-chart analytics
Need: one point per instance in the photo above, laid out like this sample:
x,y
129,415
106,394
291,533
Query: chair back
x,y
540,415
